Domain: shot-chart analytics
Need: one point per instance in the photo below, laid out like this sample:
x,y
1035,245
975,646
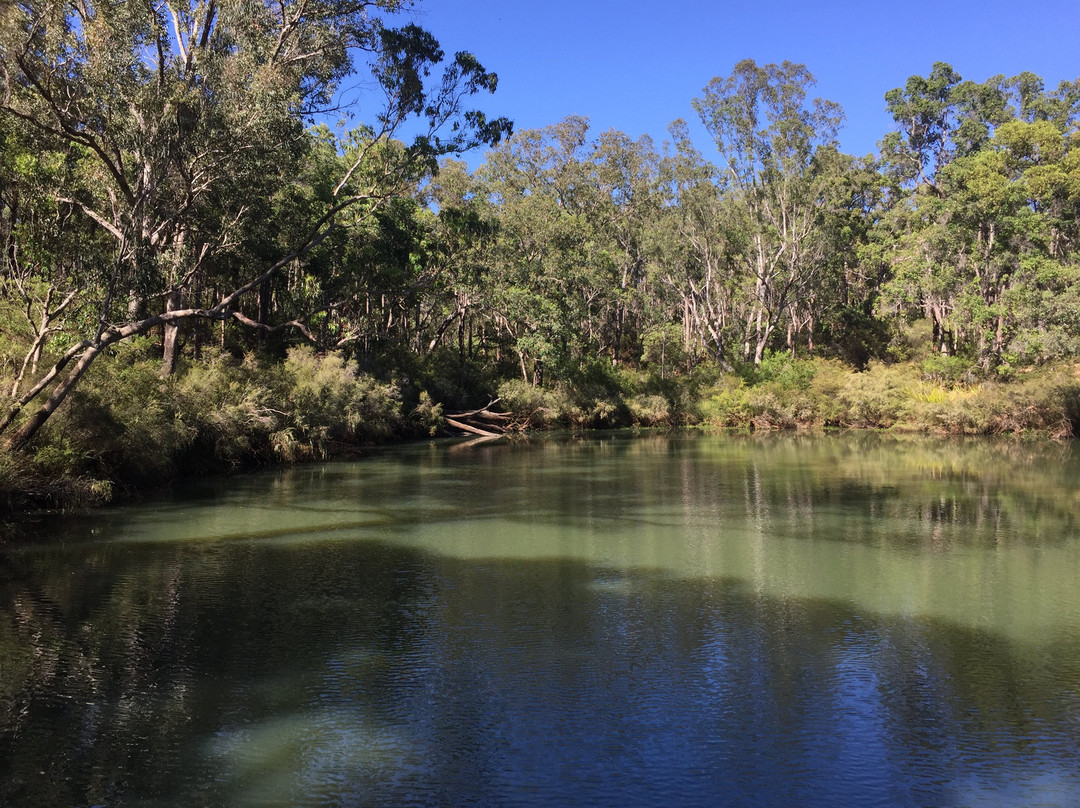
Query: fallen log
x,y
467,427
481,421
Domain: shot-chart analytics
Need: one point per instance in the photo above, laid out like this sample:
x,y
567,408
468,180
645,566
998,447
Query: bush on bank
x,y
906,397
127,428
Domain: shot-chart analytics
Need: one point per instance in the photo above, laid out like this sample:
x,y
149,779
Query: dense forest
x,y
202,269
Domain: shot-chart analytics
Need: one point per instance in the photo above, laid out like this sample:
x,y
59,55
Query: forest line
x,y
191,264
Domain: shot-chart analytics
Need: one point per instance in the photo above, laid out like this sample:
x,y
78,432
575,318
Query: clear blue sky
x,y
635,66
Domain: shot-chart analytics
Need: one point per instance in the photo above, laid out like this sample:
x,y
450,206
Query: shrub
x,y
308,407
728,405
327,403
27,482
949,370
120,423
783,371
532,406
233,408
823,392
877,397
650,410
427,416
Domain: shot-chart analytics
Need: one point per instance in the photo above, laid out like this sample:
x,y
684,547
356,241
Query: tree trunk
x,y
461,334
24,433
265,297
172,335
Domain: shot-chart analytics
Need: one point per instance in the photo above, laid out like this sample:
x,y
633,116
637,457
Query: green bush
x,y
823,392
532,406
783,371
327,403
650,410
126,426
27,482
121,423
728,405
310,406
234,407
952,370
877,397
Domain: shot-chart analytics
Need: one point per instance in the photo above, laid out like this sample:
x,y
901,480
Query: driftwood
x,y
481,422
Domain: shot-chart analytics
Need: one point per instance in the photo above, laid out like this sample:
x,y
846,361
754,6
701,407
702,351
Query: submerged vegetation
x,y
197,276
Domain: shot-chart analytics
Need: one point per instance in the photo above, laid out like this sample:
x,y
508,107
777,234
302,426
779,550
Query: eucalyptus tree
x,y
982,242
1010,212
838,312
940,117
769,135
691,250
543,261
571,256
464,232
185,122
48,255
628,206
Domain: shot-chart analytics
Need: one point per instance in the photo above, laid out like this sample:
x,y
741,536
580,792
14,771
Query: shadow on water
x,y
371,674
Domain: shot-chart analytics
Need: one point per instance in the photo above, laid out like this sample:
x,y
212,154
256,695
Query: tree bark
x,y
172,335
24,433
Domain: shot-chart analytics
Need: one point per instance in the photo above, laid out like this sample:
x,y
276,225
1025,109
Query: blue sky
x,y
635,66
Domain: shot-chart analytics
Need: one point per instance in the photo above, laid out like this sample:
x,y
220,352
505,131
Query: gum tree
x,y
184,125
769,134
982,230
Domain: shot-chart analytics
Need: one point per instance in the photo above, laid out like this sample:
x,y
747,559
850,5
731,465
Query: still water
x,y
662,620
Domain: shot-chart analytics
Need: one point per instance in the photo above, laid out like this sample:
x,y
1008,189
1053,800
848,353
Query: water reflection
x,y
669,621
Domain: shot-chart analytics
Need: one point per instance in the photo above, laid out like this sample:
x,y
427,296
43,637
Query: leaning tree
x,y
174,126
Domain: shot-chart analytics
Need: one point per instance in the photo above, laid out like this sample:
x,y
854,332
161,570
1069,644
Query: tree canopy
x,y
169,170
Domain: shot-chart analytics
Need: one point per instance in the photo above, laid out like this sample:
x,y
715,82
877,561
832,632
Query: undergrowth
x,y
127,428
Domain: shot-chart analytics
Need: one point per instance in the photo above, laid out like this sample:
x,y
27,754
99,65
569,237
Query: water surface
x,y
618,620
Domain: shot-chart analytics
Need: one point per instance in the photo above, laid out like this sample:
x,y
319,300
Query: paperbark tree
x,y
692,249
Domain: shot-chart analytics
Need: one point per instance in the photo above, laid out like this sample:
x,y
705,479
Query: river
x,y
624,620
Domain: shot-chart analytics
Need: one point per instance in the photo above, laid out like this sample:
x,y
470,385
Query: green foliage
x,y
876,397
327,404
650,410
781,393
783,371
123,423
728,405
427,415
128,425
533,406
231,405
949,370
589,281
663,349
311,406
48,480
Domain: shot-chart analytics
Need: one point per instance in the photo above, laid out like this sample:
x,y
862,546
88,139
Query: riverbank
x,y
128,430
